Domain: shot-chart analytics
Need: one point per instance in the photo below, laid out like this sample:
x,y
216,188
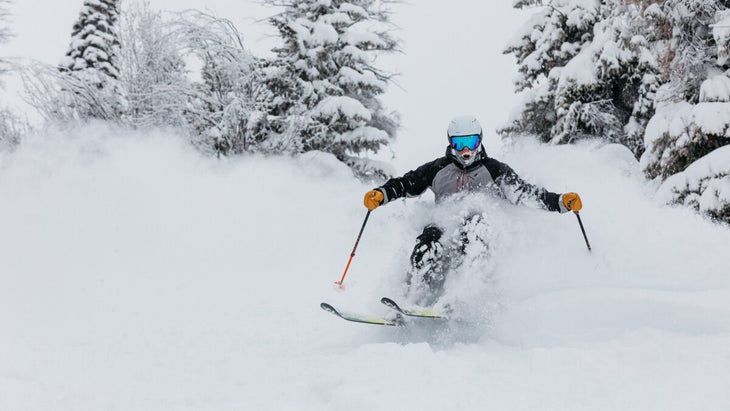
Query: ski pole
x,y
583,230
353,250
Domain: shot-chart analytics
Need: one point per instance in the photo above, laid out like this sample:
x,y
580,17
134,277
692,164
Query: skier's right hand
x,y
572,202
373,199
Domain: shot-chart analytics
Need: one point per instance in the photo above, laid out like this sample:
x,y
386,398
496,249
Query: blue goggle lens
x,y
461,142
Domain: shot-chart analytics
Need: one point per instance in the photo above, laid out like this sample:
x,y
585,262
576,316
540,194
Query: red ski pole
x,y
342,280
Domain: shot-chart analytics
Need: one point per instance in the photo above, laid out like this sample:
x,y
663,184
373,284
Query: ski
x,y
360,318
414,311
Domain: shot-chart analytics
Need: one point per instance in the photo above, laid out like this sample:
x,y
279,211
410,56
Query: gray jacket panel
x,y
452,179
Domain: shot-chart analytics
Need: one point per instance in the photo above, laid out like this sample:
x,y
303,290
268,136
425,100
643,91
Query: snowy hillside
x,y
139,275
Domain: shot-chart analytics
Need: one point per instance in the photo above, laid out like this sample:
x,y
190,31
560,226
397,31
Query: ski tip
x,y
327,307
359,318
330,309
390,303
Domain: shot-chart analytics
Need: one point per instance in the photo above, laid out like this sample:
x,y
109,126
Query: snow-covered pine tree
x,y
94,40
687,139
690,55
601,87
553,36
322,88
650,74
607,90
90,69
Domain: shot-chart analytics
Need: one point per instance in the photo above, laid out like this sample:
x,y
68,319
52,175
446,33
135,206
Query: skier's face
x,y
466,147
467,154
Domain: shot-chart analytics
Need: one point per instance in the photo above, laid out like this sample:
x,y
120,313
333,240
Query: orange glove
x,y
373,199
572,202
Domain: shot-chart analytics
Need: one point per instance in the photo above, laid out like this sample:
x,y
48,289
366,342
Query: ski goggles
x,y
461,142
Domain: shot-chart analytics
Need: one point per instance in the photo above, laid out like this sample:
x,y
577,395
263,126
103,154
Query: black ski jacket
x,y
446,176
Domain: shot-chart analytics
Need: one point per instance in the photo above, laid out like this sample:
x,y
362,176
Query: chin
x,y
467,162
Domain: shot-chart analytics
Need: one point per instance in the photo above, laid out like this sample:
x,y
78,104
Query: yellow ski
x,y
414,311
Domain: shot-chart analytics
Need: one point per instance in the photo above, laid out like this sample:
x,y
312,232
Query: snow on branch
x,y
703,185
322,88
222,104
5,34
63,96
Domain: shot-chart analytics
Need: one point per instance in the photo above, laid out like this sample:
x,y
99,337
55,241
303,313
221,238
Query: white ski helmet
x,y
463,126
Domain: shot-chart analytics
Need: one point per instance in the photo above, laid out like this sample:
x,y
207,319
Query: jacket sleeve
x,y
414,182
518,191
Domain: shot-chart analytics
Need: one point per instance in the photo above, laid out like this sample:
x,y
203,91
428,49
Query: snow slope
x,y
140,275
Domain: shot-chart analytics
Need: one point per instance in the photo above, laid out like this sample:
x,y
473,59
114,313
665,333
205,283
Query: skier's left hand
x,y
572,202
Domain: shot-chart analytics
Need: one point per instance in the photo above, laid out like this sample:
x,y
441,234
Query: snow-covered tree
x,y
545,44
5,33
695,75
586,71
90,69
686,138
153,86
11,128
652,75
152,76
61,96
221,105
94,39
322,89
607,90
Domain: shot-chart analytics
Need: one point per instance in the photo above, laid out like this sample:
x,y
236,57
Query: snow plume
x,y
466,254
475,228
139,274
468,223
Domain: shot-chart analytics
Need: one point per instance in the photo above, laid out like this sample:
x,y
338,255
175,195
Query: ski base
x,y
360,318
414,311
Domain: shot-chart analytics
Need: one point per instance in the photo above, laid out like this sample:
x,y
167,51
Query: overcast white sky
x,y
451,62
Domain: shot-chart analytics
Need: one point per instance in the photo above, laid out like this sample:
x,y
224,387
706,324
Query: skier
x,y
465,167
